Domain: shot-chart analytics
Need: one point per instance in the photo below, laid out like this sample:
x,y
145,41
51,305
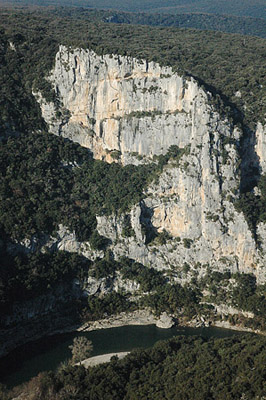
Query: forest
x,y
182,368
46,189
245,8
224,23
156,291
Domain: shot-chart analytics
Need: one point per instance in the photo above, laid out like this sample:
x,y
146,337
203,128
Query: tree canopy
x,y
182,368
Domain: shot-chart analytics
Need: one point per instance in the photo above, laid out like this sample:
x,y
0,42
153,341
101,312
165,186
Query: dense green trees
x,y
111,304
225,23
40,187
156,292
46,181
26,276
254,207
18,108
182,368
252,8
238,290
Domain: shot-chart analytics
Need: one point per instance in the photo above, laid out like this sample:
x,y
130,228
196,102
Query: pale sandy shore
x,y
138,317
145,317
92,361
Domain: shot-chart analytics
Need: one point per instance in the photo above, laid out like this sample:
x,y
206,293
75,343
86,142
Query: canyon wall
x,y
119,104
129,111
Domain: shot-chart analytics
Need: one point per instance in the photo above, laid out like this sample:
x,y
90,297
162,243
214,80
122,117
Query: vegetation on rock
x,y
46,181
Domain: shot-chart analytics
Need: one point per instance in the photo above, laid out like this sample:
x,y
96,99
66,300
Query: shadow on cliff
x,y
147,228
250,169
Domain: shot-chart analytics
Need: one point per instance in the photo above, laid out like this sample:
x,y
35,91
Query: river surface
x,y
47,353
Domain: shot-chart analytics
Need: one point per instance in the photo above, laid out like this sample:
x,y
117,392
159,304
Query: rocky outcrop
x,y
260,147
209,241
138,317
64,240
131,110
122,107
165,321
93,286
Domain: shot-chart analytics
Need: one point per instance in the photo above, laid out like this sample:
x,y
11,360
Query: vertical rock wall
x,y
130,110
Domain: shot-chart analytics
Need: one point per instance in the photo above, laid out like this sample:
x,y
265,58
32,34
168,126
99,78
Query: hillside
x,y
136,150
224,23
248,8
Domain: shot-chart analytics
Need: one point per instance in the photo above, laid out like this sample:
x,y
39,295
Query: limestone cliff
x,y
130,110
114,103
260,147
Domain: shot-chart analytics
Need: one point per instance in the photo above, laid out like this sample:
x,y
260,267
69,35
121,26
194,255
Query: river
x,y
46,354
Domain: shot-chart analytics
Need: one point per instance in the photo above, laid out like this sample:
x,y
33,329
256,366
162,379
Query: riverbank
x,y
92,361
145,317
15,337
49,354
227,325
138,317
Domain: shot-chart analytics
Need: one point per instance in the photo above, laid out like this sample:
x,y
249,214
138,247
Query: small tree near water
x,y
81,349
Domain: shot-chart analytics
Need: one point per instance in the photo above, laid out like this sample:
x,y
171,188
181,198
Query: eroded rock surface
x,y
123,106
165,321
129,110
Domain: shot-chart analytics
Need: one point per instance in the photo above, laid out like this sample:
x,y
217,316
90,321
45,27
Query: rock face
x,y
130,110
165,321
260,147
122,105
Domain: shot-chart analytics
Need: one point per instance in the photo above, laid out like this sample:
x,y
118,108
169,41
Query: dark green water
x,y
46,354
